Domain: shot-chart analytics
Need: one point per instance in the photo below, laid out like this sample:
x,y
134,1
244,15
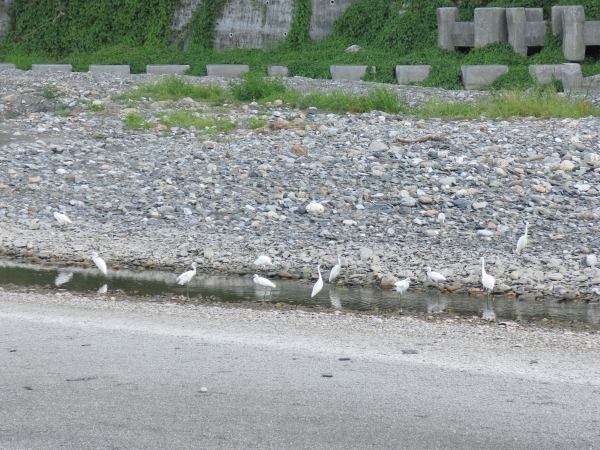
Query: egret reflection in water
x,y
436,305
62,278
334,298
488,310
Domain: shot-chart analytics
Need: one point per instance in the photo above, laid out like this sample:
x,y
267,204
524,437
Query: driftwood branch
x,y
429,137
53,21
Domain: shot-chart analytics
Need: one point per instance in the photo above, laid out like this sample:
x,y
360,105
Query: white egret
x,y
100,264
402,286
335,270
264,261
103,289
318,285
315,208
522,242
186,277
441,219
486,279
435,276
61,218
62,278
591,260
264,282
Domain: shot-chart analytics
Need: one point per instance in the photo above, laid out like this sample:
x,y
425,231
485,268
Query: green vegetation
x,y
504,105
540,102
254,123
136,121
173,88
392,32
207,123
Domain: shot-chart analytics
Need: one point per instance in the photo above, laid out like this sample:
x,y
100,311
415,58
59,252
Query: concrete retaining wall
x,y
4,5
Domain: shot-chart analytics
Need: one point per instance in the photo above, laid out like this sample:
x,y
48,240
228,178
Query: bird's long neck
x,y
482,267
525,229
319,270
339,261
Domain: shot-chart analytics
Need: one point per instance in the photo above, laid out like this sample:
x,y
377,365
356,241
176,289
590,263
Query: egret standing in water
x,y
486,279
335,270
402,286
186,277
264,282
100,264
435,276
318,285
62,218
522,242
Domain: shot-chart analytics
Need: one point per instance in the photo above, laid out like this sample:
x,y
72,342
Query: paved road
x,y
79,378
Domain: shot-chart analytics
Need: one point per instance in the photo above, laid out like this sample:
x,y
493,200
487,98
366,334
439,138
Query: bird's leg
x,y
187,285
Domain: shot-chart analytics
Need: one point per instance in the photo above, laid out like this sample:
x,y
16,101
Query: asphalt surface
x,y
74,378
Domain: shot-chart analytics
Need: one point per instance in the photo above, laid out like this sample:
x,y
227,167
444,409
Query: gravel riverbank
x,y
163,198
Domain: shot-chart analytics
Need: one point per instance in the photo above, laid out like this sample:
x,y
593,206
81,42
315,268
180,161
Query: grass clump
x,y
540,103
173,88
136,121
377,100
254,123
206,123
255,87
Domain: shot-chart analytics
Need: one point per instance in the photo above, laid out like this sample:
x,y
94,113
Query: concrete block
x,y
573,22
490,26
112,68
4,66
281,71
411,74
165,69
557,20
535,34
53,67
352,73
534,14
516,21
591,33
463,34
324,14
226,70
446,18
544,73
474,77
572,77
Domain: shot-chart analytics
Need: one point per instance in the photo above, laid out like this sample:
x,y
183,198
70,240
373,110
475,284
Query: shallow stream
x,y
235,289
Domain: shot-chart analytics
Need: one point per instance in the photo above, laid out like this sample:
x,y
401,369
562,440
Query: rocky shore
x,y
162,198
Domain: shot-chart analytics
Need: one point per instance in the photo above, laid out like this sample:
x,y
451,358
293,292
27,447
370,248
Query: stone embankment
x,y
164,197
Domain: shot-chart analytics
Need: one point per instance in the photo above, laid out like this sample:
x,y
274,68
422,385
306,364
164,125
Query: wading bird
x,y
264,261
591,260
435,276
522,242
318,285
186,277
100,264
264,282
441,219
402,286
61,218
335,270
486,279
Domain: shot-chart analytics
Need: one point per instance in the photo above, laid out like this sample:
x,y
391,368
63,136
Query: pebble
x,y
138,195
